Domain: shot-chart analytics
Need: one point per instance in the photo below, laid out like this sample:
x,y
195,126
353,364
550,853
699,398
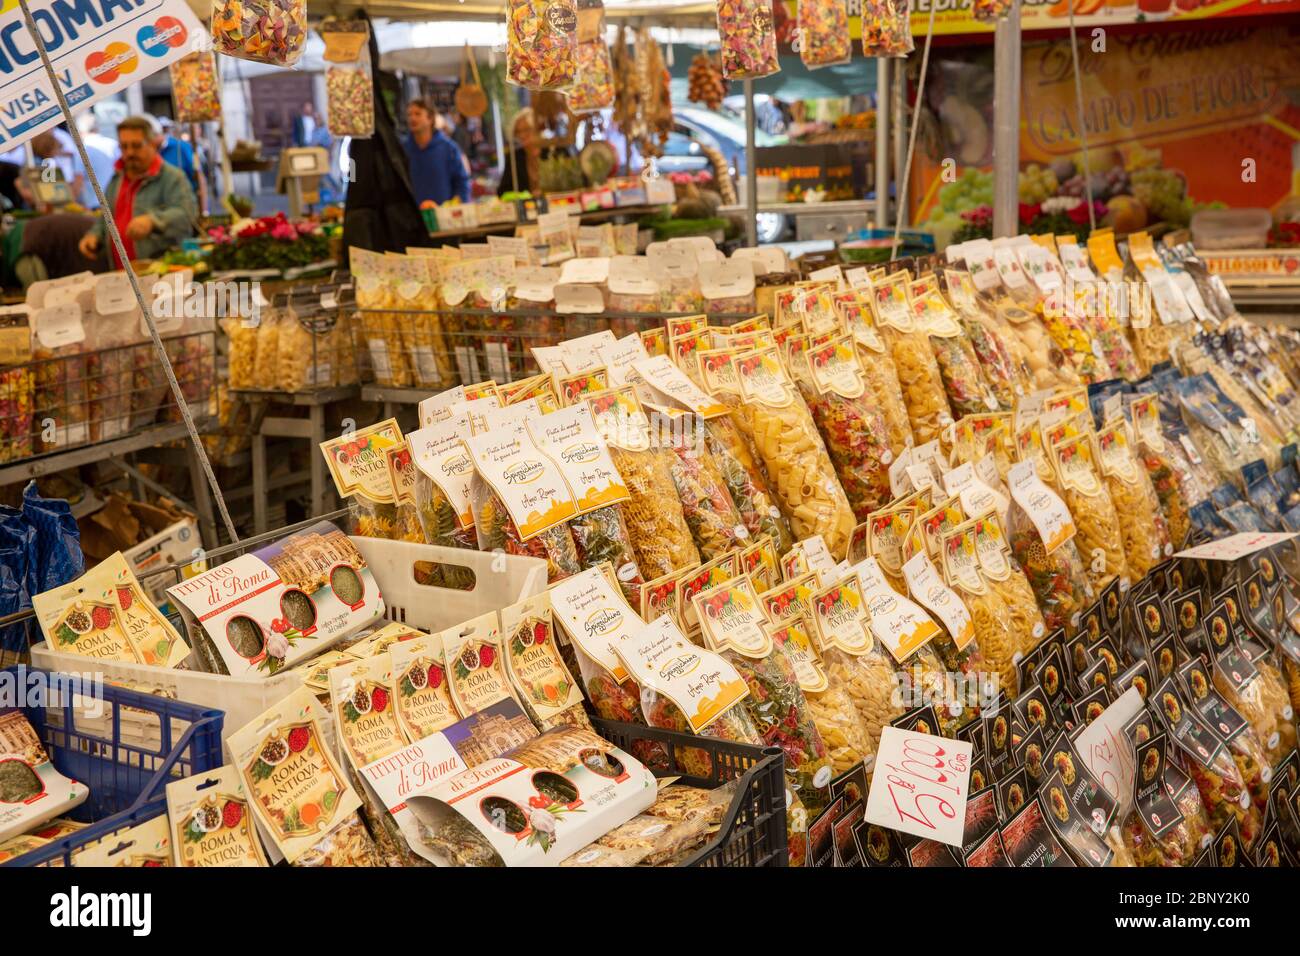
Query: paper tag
x,y
1044,507
903,627
595,616
570,439
357,463
528,482
926,585
731,618
920,785
667,378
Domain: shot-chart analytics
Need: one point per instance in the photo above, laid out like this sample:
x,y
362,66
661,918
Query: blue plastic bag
x,y
55,557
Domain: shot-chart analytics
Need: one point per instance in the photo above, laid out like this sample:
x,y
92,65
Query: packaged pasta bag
x,y
1100,538
855,662
1167,825
443,478
1247,750
1256,691
886,29
265,365
1006,580
415,291
823,33
419,688
1048,365
633,286
1041,531
747,32
359,466
1152,455
305,350
195,89
734,626
727,287
653,515
787,442
1222,443
1004,372
264,31
349,88
959,368
1142,523
58,339
593,82
747,483
878,370
541,680
1072,334
914,361
1114,345
999,649
380,325
541,44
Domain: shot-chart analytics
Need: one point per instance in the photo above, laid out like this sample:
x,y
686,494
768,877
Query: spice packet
x,y
543,683
32,790
420,689
105,614
211,822
365,721
473,657
147,844
297,790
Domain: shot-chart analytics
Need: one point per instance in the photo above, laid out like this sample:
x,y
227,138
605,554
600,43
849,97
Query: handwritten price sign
x,y
1106,750
920,784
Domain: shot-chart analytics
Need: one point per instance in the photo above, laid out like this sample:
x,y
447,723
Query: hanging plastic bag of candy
x,y
886,28
747,32
194,88
824,33
541,44
349,85
265,31
987,11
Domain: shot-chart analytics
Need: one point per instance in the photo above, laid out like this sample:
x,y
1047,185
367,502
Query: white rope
x,y
900,196
110,228
1083,132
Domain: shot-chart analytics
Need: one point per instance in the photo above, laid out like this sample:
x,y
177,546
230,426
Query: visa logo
x,y
32,100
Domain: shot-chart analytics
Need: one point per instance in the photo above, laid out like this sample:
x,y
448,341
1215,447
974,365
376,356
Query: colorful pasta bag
x,y
747,483
349,86
997,644
878,371
541,44
194,88
265,31
747,32
593,84
358,464
824,33
1100,539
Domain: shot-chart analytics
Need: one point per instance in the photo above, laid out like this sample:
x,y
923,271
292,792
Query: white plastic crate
x,y
499,581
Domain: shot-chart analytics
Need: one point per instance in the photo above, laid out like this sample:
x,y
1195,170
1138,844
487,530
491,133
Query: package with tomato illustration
x,y
279,605
542,682
211,824
106,615
298,791
532,806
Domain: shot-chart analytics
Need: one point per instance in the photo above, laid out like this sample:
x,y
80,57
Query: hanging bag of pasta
x,y
1006,579
886,28
358,464
1041,531
1100,538
786,439
195,92
349,84
541,43
918,372
824,33
747,33
264,31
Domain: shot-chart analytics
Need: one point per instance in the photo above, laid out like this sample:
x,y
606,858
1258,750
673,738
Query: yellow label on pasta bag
x,y
717,371
1075,467
1029,448
761,563
929,588
660,595
937,522
991,547
528,482
620,419
891,303
931,312
683,349
365,720
665,377
571,388
1105,257
655,341
731,618
855,314
704,578
420,688
703,685
836,369
961,560
1073,401
540,387
763,380
1144,412
792,598
686,324
791,637
1044,507
357,463
757,323
885,536
840,617
401,472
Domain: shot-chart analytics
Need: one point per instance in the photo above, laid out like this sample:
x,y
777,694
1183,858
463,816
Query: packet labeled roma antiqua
x,y
420,688
474,659
365,719
145,845
549,693
211,823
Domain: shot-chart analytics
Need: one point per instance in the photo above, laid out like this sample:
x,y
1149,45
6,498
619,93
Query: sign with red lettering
x,y
920,784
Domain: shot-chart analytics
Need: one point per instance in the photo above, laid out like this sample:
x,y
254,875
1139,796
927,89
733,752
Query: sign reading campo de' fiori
x,y
97,47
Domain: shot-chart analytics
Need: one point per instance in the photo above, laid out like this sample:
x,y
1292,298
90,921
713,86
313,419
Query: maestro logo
x,y
115,60
166,34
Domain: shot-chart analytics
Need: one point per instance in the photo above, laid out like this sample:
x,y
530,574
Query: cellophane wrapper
x,y
1003,374
61,380
1146,535
715,524
747,34
306,358
440,525
497,532
1166,483
733,725
1196,479
266,366
601,535
824,33
348,844
16,399
1150,345
1059,580
653,515
611,700
857,442
1027,625
541,44
987,11
593,83
778,709
886,28
800,470
1223,792
265,31
1098,530
883,386
840,726
747,483
1047,364
1264,702
1073,336
1272,438
350,99
194,88
242,358
1119,355
925,677
922,384
968,393
871,684
998,647
1180,845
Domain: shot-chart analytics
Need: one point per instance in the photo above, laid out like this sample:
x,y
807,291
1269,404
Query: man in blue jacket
x,y
437,168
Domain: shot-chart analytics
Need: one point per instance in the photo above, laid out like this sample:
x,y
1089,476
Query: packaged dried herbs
x,y
194,88
211,822
544,685
32,790
265,31
541,44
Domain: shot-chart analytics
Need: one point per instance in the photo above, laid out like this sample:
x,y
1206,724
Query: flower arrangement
x,y
270,242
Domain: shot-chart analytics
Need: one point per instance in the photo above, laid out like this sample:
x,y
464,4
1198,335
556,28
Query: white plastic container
x,y
500,580
1231,228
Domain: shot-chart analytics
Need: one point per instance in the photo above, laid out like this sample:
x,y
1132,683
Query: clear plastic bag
x,y
1146,536
194,88
746,483
1225,795
602,536
1178,846
350,101
497,532
733,725
1165,482
1059,580
541,43
923,389
593,84
1265,703
881,379
265,31
886,28
824,33
1099,539
653,516
871,683
716,525
266,367
1047,363
1005,376
747,32
968,393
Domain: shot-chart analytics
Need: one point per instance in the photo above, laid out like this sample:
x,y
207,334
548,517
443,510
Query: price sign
x,y
1106,751
920,784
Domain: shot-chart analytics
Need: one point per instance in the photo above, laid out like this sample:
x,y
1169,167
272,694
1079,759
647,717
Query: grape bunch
x,y
705,82
1037,183
1164,193
1111,182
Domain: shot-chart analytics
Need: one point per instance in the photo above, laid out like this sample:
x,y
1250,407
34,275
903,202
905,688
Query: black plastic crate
x,y
753,829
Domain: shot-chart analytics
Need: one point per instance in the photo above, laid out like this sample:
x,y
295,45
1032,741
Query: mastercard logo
x,y
114,61
166,34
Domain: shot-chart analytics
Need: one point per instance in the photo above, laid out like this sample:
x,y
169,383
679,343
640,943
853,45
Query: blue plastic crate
x,y
127,779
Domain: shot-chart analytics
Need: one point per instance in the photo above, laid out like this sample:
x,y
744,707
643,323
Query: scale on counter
x,y
301,168
48,191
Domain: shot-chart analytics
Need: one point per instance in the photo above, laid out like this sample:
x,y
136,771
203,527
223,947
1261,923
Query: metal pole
x,y
900,139
1083,126
751,168
1006,123
882,142
905,173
